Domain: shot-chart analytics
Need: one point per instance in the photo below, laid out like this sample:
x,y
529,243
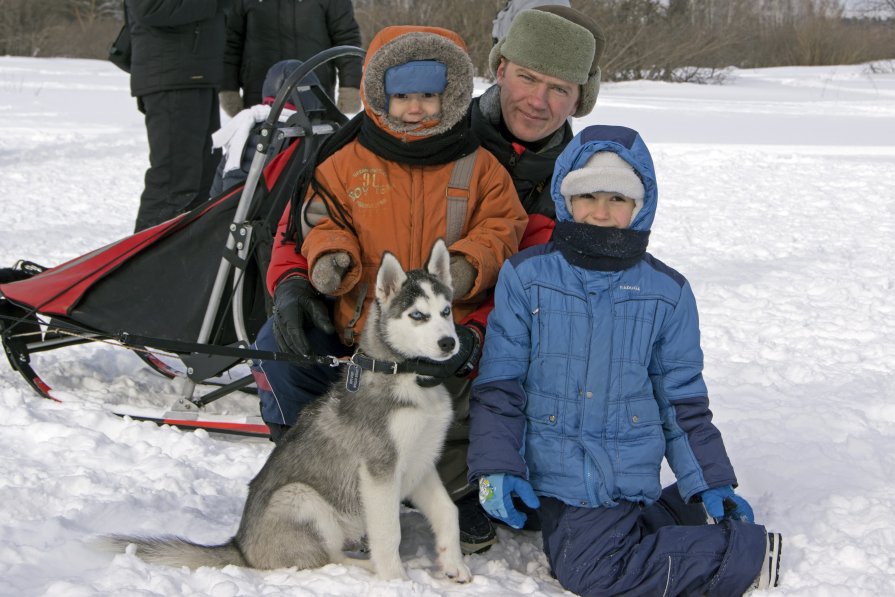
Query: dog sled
x,y
188,295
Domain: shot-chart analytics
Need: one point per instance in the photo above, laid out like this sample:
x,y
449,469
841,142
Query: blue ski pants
x,y
665,549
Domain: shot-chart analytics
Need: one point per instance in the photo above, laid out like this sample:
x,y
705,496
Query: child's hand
x,y
722,502
463,275
329,271
495,496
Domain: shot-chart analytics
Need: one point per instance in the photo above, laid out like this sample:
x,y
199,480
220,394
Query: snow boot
x,y
769,576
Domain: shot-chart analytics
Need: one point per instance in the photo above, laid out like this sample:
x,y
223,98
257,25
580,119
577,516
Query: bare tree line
x,y
689,38
670,40
72,28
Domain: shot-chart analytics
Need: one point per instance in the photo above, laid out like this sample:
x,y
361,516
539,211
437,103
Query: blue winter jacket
x,y
588,377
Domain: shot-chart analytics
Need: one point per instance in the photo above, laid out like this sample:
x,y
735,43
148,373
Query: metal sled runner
x,y
191,287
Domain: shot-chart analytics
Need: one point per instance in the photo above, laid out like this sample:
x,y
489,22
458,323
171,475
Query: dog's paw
x,y
456,571
388,568
392,573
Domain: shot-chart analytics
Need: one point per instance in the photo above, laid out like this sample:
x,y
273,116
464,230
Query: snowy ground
x,y
778,203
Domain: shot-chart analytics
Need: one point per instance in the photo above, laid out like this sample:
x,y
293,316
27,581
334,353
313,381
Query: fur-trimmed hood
x,y
399,44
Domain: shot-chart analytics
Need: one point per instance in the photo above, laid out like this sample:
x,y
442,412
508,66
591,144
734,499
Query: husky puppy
x,y
344,470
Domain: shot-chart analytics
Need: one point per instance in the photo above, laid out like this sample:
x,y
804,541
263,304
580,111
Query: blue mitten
x,y
495,495
722,502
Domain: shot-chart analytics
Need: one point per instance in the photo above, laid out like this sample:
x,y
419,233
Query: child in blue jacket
x,y
592,373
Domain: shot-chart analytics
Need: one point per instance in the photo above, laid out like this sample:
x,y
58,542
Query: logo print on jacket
x,y
368,187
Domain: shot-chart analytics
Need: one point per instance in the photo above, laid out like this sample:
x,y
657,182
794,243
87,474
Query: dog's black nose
x,y
446,343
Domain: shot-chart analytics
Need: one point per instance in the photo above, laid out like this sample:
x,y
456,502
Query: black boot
x,y
476,531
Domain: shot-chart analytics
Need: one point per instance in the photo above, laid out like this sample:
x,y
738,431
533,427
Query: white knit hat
x,y
604,171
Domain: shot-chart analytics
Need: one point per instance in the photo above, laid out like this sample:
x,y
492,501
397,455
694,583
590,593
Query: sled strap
x,y
457,195
237,351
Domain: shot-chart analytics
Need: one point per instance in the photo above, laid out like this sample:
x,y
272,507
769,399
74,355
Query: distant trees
x,y
695,39
470,18
878,8
77,28
670,40
676,40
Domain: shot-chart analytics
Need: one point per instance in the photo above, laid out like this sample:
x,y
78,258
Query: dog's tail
x,y
174,551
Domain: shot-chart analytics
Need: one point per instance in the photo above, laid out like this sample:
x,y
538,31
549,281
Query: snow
x,y
777,203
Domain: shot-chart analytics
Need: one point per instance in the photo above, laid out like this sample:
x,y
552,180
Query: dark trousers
x,y
284,389
179,124
665,549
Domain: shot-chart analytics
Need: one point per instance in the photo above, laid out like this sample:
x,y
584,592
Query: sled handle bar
x,y
291,81
248,193
251,183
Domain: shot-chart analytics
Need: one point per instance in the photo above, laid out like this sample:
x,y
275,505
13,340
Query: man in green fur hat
x,y
546,71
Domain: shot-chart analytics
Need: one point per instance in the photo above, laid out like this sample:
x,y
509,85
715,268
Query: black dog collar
x,y
359,361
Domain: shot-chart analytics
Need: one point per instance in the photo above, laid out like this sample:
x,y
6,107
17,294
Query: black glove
x,y
461,364
295,302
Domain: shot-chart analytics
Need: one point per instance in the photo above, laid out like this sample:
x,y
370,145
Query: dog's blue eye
x,y
446,312
417,316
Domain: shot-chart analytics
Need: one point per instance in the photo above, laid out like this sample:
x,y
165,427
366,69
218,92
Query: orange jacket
x,y
402,208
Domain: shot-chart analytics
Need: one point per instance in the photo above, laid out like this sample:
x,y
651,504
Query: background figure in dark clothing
x,y
176,72
260,34
239,137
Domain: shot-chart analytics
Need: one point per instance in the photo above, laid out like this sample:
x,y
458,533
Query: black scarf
x,y
442,148
598,248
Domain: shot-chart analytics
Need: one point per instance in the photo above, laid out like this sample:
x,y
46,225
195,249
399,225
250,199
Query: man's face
x,y
534,105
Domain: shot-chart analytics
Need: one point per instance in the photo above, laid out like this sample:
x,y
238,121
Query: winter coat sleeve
x,y
497,405
171,13
694,447
235,46
537,232
344,31
284,261
328,236
495,226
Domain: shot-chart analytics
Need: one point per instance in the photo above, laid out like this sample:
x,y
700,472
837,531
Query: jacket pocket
x,y
542,412
641,443
563,324
634,330
642,412
543,442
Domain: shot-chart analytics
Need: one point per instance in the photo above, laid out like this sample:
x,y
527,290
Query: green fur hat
x,y
557,41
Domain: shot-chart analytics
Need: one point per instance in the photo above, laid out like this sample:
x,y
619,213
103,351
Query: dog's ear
x,y
439,264
390,277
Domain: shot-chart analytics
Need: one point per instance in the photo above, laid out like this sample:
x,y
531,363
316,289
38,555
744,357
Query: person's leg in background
x,y
181,169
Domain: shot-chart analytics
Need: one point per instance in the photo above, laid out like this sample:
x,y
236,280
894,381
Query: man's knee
x,y
277,431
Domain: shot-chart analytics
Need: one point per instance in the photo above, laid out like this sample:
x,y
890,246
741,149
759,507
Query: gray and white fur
x,y
344,470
